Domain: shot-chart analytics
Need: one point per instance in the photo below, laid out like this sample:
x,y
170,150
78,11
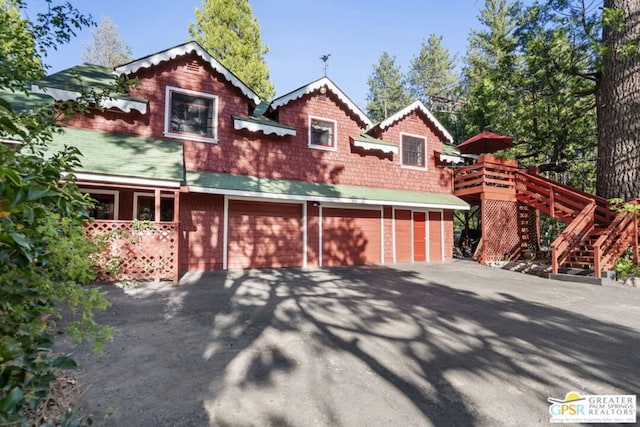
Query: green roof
x,y
450,150
371,140
84,76
228,184
262,120
123,155
22,102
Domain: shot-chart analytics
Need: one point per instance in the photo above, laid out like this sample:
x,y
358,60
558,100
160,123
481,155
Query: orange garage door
x,y
350,237
264,234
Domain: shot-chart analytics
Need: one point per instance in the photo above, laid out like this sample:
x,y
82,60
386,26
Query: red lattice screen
x,y
500,233
136,252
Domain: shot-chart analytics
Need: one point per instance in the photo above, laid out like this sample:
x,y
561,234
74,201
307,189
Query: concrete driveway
x,y
410,345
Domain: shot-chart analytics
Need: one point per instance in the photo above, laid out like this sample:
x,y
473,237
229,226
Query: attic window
x,y
322,133
191,115
413,151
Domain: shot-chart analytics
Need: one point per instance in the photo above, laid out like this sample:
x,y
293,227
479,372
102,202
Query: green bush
x,y
44,264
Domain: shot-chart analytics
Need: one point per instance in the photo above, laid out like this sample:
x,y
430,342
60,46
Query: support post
x,y
157,205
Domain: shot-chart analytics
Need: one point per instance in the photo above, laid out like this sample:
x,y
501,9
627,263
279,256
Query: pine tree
x,y
106,48
519,80
386,95
618,102
431,76
230,33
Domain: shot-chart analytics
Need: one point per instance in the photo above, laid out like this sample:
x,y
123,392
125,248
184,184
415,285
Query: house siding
x,y
330,238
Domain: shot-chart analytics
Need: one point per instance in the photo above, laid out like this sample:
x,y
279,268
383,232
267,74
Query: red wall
x,y
201,226
253,153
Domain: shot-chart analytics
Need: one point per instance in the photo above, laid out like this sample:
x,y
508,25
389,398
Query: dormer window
x,y
413,151
322,133
191,115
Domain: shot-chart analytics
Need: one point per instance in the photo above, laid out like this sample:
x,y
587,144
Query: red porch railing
x,y
136,250
490,176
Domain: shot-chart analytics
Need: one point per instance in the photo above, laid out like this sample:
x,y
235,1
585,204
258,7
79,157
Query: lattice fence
x,y
136,251
500,232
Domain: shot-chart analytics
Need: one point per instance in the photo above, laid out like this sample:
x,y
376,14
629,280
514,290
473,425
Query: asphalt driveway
x,y
411,345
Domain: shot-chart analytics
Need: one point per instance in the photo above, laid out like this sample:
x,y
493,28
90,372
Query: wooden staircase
x,y
595,235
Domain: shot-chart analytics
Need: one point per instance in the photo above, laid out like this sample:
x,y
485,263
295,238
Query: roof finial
x,y
324,59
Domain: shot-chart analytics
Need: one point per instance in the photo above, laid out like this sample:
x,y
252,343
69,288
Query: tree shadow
x,y
343,346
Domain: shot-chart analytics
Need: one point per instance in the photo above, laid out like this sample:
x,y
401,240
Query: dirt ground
x,y
411,345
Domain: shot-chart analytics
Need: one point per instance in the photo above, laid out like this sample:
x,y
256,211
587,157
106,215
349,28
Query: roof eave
x,y
125,105
184,49
240,123
416,105
324,81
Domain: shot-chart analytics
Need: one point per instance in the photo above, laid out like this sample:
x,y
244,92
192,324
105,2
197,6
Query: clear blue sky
x,y
298,32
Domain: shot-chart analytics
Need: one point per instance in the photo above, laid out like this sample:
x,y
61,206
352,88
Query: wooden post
x,y
176,220
635,238
157,205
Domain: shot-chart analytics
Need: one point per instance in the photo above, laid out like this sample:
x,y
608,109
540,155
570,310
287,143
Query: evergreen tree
x,y
106,48
431,77
520,79
387,94
229,32
618,102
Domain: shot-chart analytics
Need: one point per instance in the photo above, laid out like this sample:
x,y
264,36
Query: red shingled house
x,y
233,182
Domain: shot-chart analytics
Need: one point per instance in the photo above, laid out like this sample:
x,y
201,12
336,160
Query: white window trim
x,y
116,199
413,167
187,136
137,194
335,134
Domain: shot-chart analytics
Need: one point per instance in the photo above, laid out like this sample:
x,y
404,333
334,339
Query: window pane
x,y
147,209
321,133
103,207
191,114
412,151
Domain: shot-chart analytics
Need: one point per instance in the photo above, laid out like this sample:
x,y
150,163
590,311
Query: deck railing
x,y
488,174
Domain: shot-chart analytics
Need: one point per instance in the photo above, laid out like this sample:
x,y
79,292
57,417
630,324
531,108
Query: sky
x,y
297,32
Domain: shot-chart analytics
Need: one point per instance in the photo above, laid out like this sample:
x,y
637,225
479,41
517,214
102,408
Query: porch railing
x,y
136,250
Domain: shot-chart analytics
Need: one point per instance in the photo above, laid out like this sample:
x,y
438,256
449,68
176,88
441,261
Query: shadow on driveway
x,y
445,344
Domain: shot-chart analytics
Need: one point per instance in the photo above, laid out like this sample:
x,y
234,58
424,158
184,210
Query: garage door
x,y
264,234
435,237
403,233
350,237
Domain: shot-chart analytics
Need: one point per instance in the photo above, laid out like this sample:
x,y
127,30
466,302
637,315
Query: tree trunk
x,y
618,108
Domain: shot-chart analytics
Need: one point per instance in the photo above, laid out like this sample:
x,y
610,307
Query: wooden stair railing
x,y
572,236
563,193
621,233
554,199
595,235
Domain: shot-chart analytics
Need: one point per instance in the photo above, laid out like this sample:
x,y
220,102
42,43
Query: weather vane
x,y
325,65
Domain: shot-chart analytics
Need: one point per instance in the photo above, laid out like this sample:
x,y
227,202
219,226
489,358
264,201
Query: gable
x,y
321,87
416,107
183,50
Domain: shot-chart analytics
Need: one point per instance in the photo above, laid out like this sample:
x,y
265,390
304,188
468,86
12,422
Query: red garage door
x,y
264,234
350,237
403,230
435,237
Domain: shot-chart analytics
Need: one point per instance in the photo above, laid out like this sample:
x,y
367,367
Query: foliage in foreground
x,y
44,262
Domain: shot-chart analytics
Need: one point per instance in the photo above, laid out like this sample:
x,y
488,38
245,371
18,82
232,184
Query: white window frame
x,y
187,136
410,166
333,147
137,194
116,199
